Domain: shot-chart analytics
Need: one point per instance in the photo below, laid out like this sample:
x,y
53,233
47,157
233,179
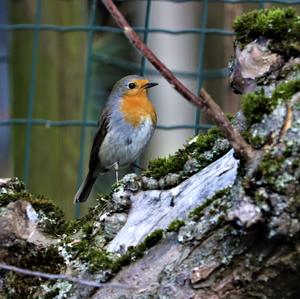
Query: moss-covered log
x,y
176,231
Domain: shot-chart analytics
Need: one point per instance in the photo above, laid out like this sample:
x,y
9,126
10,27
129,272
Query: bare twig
x,y
85,282
289,116
204,102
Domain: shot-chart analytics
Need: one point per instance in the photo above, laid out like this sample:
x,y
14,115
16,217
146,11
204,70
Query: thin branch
x,y
204,102
85,282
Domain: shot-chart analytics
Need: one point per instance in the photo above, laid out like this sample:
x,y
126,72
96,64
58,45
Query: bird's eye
x,y
131,85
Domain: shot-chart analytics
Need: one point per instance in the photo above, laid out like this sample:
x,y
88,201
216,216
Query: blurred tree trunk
x,y
57,95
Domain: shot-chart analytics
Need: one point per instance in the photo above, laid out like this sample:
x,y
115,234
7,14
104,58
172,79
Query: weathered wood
x,y
151,210
245,248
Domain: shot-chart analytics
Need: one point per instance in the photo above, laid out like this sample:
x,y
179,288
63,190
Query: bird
x,y
125,127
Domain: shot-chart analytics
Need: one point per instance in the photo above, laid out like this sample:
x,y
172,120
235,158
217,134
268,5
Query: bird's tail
x,y
85,188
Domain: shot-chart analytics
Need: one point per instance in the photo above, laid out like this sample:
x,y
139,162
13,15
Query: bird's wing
x,y
95,163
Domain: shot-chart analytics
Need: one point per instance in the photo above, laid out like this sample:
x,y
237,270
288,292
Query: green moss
x,y
286,90
51,217
282,26
277,172
26,255
101,204
13,190
270,167
15,185
174,163
86,222
87,229
136,252
162,166
256,104
205,142
175,225
99,259
82,246
6,198
151,240
256,141
230,116
198,212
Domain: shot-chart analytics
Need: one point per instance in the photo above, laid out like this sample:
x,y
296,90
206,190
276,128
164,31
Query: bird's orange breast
x,y
136,108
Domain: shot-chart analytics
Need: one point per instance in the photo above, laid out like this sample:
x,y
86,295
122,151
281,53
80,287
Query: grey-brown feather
x,y
85,188
94,163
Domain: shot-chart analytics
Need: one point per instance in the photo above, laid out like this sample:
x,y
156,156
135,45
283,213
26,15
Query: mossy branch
x,y
204,101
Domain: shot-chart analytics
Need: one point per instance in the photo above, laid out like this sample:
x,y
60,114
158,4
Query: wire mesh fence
x,y
98,24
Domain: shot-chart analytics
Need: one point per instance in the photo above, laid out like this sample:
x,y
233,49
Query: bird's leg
x,y
116,167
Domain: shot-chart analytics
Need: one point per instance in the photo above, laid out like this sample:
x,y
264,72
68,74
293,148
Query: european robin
x,y
125,127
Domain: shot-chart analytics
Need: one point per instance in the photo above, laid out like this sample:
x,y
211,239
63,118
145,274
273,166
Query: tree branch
x,y
205,102
85,282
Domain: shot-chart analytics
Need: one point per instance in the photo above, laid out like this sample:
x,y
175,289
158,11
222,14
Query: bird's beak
x,y
149,85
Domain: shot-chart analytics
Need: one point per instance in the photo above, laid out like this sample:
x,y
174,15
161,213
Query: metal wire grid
x,y
91,28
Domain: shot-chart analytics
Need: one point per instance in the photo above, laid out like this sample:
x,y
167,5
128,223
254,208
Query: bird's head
x,y
132,86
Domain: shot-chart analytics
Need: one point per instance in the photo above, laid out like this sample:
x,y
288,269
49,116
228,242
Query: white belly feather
x,y
125,146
